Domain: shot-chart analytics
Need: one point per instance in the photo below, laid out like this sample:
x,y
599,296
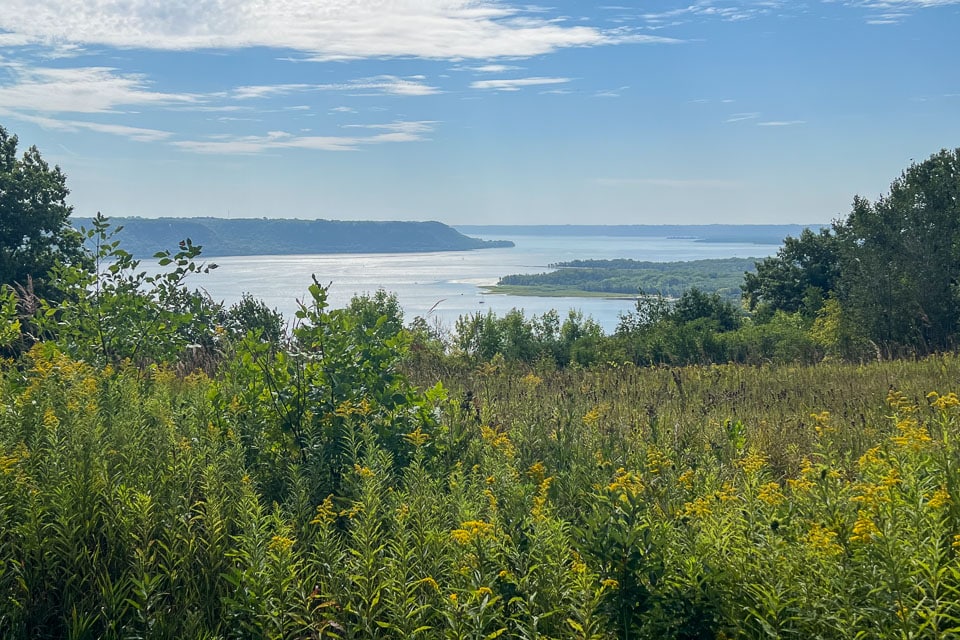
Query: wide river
x,y
442,286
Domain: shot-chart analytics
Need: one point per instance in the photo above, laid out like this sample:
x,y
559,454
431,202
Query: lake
x,y
442,286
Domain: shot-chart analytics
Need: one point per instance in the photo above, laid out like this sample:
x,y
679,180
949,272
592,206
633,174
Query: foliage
x,y
35,231
623,276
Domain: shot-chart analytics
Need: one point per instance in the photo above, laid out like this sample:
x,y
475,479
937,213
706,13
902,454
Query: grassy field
x,y
617,502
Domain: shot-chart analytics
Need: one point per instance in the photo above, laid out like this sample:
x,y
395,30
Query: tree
x,y
901,259
35,231
799,278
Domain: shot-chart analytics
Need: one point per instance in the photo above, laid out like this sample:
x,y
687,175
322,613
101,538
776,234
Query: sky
x,y
481,111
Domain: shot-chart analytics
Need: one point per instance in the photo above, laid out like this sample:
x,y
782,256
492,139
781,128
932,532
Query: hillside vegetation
x,y
174,468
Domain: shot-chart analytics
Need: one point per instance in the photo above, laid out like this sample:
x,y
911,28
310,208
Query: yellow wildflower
x,y
956,542
864,529
771,494
417,437
280,543
498,440
537,472
753,462
823,540
943,402
656,460
430,582
531,380
912,436
699,508
592,417
686,479
484,591
363,472
940,498
472,530
610,583
325,512
453,598
624,483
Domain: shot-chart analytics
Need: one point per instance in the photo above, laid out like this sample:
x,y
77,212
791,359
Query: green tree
x,y
901,259
35,231
799,278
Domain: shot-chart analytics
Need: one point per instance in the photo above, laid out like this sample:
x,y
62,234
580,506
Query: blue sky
x,y
479,111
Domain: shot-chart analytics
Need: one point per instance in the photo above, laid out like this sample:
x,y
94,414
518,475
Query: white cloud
x,y
740,117
389,85
80,90
134,133
394,132
331,29
515,84
781,123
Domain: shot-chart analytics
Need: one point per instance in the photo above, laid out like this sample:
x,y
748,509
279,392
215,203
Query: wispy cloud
x,y
515,84
81,90
393,132
133,133
385,84
740,117
332,29
781,123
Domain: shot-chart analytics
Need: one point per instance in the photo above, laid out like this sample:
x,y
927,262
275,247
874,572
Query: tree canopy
x,y
35,229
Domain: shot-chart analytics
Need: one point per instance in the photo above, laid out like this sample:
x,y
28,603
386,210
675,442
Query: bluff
x,y
266,236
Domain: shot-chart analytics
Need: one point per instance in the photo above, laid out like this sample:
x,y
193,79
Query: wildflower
x,y
686,479
430,582
610,583
280,543
699,508
537,472
363,472
823,540
940,498
484,591
656,460
498,440
472,530
624,483
943,402
864,529
325,512
821,423
897,401
803,482
453,599
912,436
870,458
531,380
753,462
770,494
417,437
956,542
592,417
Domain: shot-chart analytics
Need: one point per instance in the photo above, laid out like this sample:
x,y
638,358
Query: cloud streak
x,y
515,84
332,29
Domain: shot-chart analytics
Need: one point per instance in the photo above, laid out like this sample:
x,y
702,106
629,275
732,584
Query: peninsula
x,y
268,236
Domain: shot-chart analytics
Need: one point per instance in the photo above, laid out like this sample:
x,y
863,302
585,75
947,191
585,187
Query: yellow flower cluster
x,y
805,480
593,417
913,435
363,472
498,440
540,500
657,460
472,530
417,437
686,479
943,402
864,529
281,544
537,472
940,498
897,401
771,494
821,423
531,380
822,540
625,483
753,462
325,512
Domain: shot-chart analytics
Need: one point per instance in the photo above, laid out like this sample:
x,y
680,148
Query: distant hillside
x,y
262,236
751,233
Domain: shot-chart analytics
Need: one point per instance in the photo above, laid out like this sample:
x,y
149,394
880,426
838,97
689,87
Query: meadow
x,y
343,489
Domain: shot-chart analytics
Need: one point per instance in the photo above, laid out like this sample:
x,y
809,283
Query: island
x,y
144,237
628,278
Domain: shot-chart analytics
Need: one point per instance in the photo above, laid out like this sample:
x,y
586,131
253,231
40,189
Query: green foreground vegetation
x,y
174,468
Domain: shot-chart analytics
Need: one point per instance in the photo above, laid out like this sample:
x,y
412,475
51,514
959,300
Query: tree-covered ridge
x,y
631,277
742,233
267,236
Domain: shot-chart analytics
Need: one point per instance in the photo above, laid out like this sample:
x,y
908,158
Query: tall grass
x,y
612,502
